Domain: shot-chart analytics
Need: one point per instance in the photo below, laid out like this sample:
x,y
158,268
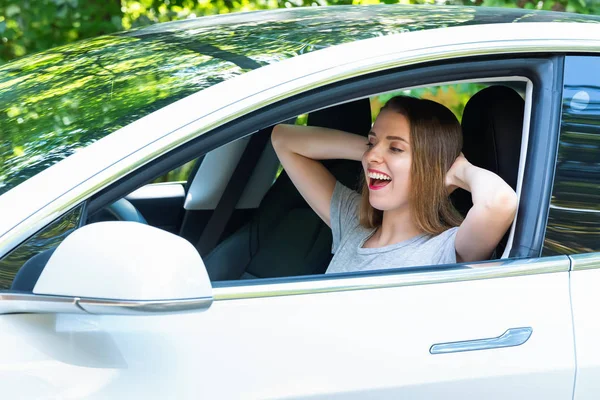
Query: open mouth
x,y
377,179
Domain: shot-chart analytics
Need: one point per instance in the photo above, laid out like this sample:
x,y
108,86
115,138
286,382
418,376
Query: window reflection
x,y
48,238
574,216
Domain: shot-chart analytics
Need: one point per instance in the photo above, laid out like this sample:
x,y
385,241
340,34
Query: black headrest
x,y
354,117
492,127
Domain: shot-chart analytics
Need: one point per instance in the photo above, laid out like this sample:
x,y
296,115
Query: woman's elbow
x,y
504,203
282,137
277,137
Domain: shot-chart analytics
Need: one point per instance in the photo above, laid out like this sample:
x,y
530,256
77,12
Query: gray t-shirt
x,y
349,237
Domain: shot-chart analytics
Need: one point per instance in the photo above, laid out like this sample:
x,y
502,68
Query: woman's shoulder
x,y
345,201
344,192
343,213
442,246
446,236
448,233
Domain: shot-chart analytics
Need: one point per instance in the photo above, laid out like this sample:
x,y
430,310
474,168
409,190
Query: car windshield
x,y
61,100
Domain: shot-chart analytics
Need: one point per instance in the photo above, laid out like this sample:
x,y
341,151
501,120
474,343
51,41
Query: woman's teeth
x,y
381,177
378,180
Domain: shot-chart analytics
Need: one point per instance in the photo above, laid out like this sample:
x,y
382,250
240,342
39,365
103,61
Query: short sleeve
x,y
343,213
447,247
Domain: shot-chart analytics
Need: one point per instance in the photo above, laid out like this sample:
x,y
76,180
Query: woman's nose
x,y
373,154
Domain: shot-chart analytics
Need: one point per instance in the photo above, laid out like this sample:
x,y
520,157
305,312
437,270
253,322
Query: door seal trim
x,y
406,276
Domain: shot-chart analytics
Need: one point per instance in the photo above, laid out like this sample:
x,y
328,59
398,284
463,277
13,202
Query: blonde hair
x,y
435,142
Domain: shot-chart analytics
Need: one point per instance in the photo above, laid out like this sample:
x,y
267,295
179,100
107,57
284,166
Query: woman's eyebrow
x,y
372,133
396,138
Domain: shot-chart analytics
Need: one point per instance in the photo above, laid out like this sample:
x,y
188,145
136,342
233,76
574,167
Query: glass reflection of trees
x,y
49,238
574,217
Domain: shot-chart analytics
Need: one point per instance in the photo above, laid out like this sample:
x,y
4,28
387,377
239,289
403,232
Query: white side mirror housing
x,y
127,267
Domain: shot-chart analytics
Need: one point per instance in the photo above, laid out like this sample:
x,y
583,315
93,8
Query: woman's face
x,y
387,161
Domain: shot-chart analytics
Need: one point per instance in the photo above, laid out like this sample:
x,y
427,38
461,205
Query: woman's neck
x,y
397,226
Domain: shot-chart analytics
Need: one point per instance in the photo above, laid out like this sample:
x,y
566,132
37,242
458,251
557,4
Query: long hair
x,y
435,142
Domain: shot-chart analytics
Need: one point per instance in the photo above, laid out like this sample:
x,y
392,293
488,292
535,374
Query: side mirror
x,y
121,268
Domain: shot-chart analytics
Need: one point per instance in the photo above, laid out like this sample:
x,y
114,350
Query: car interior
x,y
248,221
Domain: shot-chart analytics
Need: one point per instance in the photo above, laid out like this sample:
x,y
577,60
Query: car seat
x,y
492,126
285,237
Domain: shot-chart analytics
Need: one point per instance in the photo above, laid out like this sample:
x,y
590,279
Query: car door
x,y
492,330
574,217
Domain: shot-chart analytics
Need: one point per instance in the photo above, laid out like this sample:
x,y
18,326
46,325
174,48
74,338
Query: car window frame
x,y
169,127
540,70
528,88
545,72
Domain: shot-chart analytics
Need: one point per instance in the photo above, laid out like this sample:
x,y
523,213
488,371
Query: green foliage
x,y
575,6
28,26
180,174
454,96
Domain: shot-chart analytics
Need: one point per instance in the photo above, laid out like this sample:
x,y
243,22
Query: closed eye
x,y
396,150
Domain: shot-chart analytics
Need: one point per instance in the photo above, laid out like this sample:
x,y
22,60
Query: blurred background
x,y
29,26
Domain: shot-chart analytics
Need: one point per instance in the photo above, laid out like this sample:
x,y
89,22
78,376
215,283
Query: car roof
x,y
325,26
66,98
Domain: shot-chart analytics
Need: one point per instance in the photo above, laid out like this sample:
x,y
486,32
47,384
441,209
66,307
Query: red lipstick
x,y
376,184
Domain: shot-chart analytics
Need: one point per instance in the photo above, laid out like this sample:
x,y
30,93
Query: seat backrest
x,y
492,126
285,237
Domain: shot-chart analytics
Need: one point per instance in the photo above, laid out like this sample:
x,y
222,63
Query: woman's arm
x,y
298,148
494,208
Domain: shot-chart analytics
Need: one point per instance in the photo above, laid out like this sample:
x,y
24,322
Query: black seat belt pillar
x,y
233,192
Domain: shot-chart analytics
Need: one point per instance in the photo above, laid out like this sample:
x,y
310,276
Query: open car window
x,y
263,236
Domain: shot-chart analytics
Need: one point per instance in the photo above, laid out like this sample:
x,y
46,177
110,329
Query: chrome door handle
x,y
510,338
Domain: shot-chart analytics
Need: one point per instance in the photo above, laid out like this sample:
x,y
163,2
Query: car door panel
x,y
585,298
342,344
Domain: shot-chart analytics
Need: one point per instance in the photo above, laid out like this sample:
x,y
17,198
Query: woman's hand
x,y
455,175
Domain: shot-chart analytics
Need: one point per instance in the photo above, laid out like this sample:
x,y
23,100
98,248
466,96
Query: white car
x,y
114,286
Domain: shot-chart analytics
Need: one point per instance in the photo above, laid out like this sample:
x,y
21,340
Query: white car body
x,y
343,337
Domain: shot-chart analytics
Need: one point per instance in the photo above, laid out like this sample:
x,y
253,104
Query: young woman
x,y
412,161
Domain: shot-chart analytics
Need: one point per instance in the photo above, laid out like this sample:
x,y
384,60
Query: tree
x,y
28,26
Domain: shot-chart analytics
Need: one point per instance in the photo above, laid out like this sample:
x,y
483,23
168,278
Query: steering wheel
x,y
123,210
